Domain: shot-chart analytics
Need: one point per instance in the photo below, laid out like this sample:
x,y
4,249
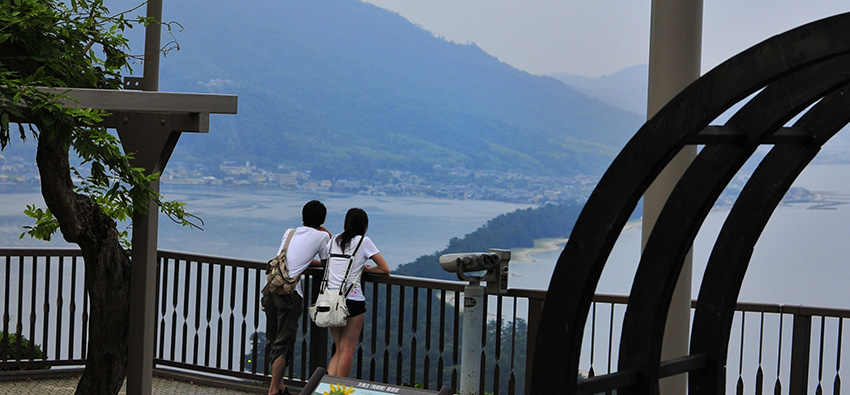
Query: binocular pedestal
x,y
473,319
475,267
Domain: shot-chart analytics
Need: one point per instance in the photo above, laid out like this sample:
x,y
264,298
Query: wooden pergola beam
x,y
148,101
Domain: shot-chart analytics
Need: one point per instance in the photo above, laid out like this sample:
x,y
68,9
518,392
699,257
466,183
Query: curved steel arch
x,y
647,153
692,199
733,249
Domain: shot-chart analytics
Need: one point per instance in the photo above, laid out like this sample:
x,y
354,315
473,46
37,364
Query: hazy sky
x,y
598,37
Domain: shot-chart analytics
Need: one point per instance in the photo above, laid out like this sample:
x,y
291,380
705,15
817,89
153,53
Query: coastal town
x,y
449,183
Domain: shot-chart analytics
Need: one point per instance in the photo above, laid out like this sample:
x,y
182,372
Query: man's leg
x,y
288,309
271,338
278,367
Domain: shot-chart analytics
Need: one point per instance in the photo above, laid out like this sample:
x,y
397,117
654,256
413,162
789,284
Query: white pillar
x,y
473,320
675,47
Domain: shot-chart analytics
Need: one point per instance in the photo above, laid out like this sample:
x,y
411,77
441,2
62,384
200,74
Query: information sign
x,y
323,384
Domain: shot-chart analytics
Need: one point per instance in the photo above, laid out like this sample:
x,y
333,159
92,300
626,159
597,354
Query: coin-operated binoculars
x,y
492,267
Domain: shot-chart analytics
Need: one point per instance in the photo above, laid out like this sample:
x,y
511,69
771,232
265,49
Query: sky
x,y
599,37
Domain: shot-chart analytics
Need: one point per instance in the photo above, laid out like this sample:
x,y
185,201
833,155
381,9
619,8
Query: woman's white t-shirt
x,y
337,265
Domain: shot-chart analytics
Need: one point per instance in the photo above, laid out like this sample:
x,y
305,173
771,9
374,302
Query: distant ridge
x,y
626,89
344,88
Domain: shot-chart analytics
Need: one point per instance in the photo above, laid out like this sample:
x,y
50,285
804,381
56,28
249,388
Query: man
x,y
283,311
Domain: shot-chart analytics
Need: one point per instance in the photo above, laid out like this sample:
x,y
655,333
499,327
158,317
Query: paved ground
x,y
161,386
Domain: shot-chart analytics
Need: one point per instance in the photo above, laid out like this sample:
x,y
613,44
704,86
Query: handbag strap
x,y
288,239
286,247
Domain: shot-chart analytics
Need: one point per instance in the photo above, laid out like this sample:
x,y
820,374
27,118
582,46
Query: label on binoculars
x,y
469,302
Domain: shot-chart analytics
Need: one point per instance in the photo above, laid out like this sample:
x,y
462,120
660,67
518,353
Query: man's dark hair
x,y
313,214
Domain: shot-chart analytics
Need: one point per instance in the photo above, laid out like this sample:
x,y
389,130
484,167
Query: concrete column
x,y
674,62
143,270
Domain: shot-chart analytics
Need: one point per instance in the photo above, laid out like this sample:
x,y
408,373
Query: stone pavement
x,y
161,386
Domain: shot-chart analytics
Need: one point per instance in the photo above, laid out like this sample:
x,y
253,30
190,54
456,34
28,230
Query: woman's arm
x,y
380,267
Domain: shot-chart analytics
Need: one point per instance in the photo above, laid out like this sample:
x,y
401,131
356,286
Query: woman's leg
x,y
349,337
336,334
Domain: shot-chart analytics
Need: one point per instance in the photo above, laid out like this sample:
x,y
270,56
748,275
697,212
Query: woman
x,y
353,235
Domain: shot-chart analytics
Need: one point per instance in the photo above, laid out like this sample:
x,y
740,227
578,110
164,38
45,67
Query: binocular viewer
x,y
469,262
490,266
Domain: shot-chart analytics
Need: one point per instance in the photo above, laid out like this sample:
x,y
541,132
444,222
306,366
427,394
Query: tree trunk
x,y
107,267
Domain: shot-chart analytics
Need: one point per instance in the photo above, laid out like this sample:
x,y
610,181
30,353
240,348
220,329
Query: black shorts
x,y
282,314
355,307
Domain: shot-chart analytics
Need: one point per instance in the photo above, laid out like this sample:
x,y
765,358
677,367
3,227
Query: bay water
x,y
803,256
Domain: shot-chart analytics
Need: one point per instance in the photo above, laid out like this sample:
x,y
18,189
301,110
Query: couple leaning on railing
x,y
341,304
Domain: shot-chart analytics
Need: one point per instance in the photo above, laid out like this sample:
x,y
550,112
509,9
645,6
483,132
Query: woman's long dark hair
x,y
356,222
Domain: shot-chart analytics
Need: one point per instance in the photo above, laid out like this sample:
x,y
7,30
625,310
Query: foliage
x,y
347,88
79,44
15,348
512,340
258,346
511,230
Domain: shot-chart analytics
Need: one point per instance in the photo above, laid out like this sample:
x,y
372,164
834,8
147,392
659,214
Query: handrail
x,y
208,316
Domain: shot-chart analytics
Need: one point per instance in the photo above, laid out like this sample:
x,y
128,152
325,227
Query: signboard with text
x,y
324,384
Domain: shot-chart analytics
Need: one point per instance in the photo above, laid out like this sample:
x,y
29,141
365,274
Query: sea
x,y
802,258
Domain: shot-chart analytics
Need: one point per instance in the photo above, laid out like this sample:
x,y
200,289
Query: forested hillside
x,y
512,230
343,89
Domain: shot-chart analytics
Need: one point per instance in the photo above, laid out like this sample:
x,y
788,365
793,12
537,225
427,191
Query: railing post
x,y
535,310
800,346
318,336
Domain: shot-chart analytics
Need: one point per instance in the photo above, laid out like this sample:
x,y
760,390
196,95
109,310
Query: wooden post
x,y
800,347
535,310
143,271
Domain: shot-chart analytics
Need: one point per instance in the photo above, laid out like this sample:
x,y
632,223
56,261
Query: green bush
x,y
11,349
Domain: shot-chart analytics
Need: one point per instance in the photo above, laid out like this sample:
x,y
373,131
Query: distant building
x,y
233,169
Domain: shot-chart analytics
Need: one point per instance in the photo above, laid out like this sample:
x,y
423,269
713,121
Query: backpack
x,y
278,280
330,309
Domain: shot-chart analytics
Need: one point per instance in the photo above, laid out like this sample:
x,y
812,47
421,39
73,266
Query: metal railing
x,y
209,322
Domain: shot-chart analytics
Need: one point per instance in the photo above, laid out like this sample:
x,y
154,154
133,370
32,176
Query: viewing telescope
x,y
490,266
469,262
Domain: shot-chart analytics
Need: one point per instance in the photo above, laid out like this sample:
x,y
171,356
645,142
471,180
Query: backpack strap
x,y
291,231
283,250
286,247
288,239
348,270
342,287
324,284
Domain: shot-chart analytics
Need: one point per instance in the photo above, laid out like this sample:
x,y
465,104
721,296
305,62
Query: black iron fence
x,y
209,321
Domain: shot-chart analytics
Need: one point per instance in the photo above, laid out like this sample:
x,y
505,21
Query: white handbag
x,y
330,310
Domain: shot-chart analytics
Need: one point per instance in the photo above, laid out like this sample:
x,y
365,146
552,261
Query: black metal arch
x,y
690,202
792,70
730,257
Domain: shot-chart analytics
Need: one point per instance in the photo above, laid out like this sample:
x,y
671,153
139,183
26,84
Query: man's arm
x,y
324,229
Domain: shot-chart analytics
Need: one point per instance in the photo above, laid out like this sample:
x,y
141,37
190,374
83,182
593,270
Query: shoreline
x,y
526,254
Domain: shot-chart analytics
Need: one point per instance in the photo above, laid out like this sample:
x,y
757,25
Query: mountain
x,y
625,89
344,88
